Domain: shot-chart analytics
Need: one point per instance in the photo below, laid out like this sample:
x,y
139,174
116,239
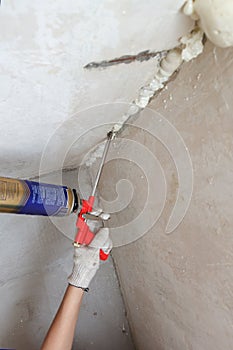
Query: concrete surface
x,y
36,259
44,47
178,287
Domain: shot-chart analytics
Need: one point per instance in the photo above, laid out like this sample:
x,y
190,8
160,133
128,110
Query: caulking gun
x,y
84,234
34,198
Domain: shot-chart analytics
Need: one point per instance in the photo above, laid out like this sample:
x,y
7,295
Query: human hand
x,y
87,258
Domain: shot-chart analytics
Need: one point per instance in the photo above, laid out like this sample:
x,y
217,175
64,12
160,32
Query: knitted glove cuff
x,y
81,276
84,289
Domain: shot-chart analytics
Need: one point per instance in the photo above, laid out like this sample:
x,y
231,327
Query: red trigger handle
x,y
85,235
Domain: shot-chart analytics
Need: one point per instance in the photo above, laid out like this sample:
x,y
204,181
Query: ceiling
x,y
44,47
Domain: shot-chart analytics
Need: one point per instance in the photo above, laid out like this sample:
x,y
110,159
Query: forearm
x,y
86,263
61,333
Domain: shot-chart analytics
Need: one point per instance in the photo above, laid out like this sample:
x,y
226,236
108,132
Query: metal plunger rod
x,y
109,139
84,234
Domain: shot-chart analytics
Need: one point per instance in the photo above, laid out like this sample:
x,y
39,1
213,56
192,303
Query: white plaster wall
x,y
178,287
44,46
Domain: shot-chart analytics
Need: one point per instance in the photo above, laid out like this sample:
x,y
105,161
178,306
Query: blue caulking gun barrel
x,y
34,198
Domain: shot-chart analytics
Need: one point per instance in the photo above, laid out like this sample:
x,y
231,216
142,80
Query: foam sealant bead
x,y
191,47
214,18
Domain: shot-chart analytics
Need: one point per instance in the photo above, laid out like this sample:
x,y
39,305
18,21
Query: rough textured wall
x,y
178,287
44,48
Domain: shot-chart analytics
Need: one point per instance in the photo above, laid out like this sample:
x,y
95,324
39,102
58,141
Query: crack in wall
x,y
166,70
168,65
140,57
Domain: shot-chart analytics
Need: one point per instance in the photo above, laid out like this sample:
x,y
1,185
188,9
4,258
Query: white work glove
x,y
87,259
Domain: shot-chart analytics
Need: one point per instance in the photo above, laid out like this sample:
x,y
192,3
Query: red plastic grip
x,y
84,234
